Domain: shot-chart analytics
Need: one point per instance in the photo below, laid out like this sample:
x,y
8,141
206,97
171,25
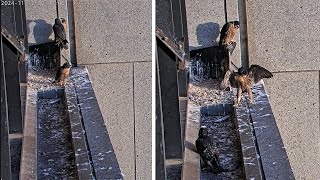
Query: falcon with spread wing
x,y
244,80
60,33
207,150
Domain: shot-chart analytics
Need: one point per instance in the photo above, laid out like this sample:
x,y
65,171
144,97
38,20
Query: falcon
x,y
207,150
244,80
62,74
227,45
64,23
60,33
228,33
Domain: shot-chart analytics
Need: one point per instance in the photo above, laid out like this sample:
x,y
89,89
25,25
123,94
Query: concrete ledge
x,y
83,165
272,152
28,153
94,154
191,160
263,151
104,161
251,162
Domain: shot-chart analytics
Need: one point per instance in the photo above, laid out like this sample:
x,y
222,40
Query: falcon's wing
x,y
257,73
223,32
59,31
58,74
198,145
225,28
209,153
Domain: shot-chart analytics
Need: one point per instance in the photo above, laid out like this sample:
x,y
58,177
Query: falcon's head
x,y
66,65
236,24
63,20
57,21
242,71
203,131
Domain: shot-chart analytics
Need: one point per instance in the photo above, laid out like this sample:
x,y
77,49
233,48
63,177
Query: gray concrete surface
x,y
113,39
204,23
40,17
294,100
28,152
113,31
205,19
282,38
113,85
143,121
282,35
191,165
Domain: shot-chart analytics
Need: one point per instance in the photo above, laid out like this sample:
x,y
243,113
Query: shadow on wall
x,y
207,35
41,31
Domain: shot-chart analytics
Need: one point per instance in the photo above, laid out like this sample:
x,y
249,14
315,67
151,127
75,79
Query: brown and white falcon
x,y
228,32
244,80
227,45
62,74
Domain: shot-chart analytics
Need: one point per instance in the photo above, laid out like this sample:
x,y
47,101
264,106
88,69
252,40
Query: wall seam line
x,y
134,123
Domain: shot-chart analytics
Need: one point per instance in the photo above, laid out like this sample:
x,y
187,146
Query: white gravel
x,y
206,92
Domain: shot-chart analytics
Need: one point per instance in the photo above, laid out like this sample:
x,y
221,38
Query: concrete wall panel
x,y
205,19
40,17
143,119
113,87
295,103
283,35
112,31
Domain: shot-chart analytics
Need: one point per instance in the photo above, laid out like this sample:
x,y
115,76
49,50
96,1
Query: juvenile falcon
x,y
64,23
227,45
207,150
62,74
228,33
244,80
60,33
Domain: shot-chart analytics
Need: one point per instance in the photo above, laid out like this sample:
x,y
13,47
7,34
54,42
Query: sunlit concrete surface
x,y
283,38
113,40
